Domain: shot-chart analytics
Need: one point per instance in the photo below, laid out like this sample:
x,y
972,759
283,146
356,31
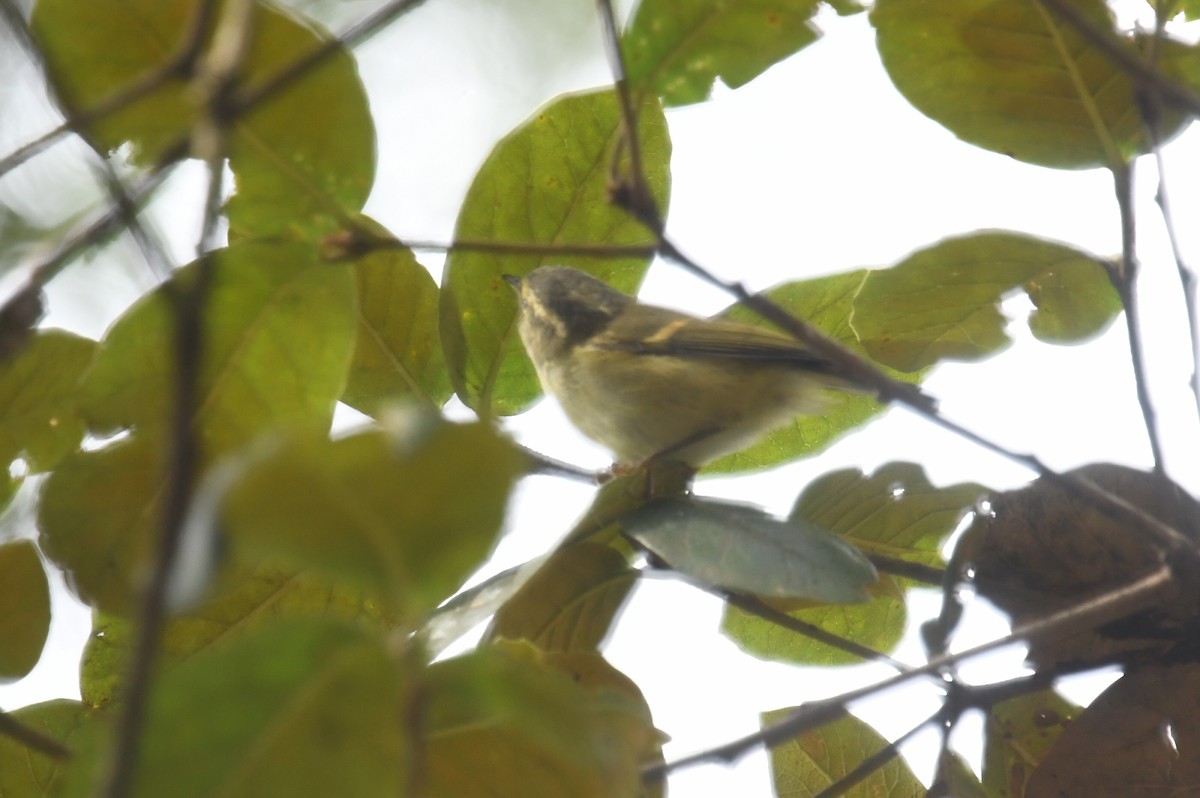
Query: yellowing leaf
x,y
817,759
571,602
503,721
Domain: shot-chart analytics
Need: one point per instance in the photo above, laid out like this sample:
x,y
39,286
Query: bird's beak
x,y
515,282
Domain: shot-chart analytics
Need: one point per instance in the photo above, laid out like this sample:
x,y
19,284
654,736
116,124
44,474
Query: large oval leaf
x,y
278,334
547,182
299,170
24,608
944,301
741,548
38,395
1013,77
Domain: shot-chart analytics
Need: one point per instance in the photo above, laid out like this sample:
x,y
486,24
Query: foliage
x,y
273,598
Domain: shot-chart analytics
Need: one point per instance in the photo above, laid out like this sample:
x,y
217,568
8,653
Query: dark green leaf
x,y
407,520
97,516
506,721
38,391
398,355
678,48
545,183
741,548
24,609
1013,78
810,763
298,171
571,602
279,332
944,301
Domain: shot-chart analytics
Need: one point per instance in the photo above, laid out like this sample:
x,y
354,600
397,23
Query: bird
x,y
653,384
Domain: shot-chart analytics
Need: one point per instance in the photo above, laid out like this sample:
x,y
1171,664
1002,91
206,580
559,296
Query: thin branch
x,y
916,571
355,243
1087,614
32,738
631,190
1125,281
213,82
755,606
542,464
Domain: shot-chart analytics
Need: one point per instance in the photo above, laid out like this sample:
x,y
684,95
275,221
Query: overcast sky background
x,y
817,167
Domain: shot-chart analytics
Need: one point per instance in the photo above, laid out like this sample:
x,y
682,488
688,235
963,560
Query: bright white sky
x,y
817,167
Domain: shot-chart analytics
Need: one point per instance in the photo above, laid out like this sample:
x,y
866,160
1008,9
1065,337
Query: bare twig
x,y
355,243
1086,614
630,190
1125,281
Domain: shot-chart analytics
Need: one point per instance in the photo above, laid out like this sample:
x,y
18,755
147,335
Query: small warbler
x,y
652,384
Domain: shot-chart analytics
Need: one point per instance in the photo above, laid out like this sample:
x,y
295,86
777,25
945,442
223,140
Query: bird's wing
x,y
685,336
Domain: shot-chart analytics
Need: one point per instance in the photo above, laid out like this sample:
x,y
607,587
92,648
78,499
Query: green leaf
x,y
877,623
38,392
98,514
28,773
308,708
827,304
570,603
544,183
944,301
808,764
408,520
245,601
398,355
25,617
894,512
738,547
506,721
297,172
1019,733
678,48
278,336
1013,78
